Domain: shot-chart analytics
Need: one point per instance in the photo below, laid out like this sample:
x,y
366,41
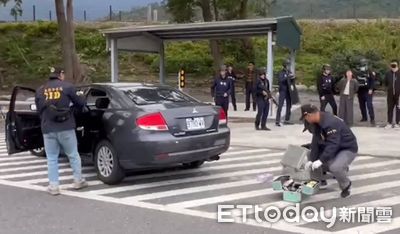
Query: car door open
x,y
23,131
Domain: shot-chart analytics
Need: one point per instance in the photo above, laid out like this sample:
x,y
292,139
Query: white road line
x,y
38,160
254,193
61,178
370,228
245,152
184,180
326,196
158,207
21,175
224,160
16,158
179,181
191,190
30,167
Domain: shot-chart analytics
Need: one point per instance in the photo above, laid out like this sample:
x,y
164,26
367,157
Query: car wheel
x,y
195,164
107,164
39,152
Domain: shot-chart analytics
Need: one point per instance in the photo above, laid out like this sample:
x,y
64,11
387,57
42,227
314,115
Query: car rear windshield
x,y
155,95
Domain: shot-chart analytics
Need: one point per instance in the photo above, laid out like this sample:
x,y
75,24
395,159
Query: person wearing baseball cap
x,y
339,149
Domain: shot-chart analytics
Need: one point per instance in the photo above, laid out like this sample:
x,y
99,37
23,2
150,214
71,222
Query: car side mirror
x,y
102,103
33,107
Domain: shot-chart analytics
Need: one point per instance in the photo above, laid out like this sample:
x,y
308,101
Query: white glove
x,y
317,164
308,165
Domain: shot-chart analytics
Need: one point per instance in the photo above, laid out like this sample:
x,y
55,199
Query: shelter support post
x,y
293,62
270,65
162,63
114,61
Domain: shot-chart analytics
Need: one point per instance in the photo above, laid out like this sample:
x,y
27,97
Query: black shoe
x,y
258,128
288,123
278,124
363,120
323,184
246,109
265,129
234,109
346,192
254,110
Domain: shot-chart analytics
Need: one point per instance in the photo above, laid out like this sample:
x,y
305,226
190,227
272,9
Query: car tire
x,y
192,165
39,152
107,164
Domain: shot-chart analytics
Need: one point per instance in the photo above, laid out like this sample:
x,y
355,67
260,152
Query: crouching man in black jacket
x,y
339,145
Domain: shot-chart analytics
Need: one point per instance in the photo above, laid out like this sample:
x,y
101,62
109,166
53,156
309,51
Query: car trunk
x,y
187,119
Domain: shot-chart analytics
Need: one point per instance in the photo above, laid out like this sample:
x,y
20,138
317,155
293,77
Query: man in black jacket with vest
x,y
325,86
339,145
53,101
392,82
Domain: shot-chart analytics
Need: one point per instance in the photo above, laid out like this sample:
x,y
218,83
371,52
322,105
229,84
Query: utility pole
x,y
34,13
110,12
84,15
50,18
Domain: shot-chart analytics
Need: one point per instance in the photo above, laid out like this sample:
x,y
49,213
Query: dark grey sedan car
x,y
130,127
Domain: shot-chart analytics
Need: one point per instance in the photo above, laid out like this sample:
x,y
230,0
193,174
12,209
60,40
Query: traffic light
x,y
181,78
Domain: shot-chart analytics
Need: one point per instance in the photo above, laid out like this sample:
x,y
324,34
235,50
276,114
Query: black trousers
x,y
223,102
233,97
393,106
250,92
329,98
284,97
262,112
365,100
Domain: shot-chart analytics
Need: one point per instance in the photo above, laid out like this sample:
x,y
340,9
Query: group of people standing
x,y
362,83
258,88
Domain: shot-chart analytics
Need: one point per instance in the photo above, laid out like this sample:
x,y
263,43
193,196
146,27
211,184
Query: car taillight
x,y
154,122
222,117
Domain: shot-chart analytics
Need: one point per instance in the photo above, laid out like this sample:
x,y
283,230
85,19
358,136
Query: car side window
x,y
93,95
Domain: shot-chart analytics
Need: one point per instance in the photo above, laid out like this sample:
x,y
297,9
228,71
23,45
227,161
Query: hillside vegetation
x,y
28,50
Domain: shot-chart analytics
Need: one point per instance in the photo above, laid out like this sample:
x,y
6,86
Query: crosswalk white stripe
x,y
16,158
254,193
21,175
191,190
43,166
205,169
178,181
247,151
17,163
322,197
184,180
370,228
249,157
65,177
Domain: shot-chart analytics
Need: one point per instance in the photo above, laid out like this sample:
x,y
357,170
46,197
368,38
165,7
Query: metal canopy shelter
x,y
282,31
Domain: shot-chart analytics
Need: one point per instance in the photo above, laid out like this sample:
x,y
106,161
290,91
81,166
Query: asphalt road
x,y
182,201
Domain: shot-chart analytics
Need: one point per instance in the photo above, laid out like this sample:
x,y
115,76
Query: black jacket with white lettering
x,y
60,94
335,135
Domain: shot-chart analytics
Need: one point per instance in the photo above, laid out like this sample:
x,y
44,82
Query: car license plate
x,y
195,123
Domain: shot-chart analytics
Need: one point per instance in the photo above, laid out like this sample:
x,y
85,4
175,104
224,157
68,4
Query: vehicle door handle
x,y
82,130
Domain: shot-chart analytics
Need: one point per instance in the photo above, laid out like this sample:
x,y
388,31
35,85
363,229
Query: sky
x,y
95,9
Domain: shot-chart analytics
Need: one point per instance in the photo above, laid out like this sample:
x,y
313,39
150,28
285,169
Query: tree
x,y
183,11
67,32
65,19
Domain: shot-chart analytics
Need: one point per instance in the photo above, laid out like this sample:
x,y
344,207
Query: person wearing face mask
x,y
221,89
232,76
285,81
325,85
263,96
392,82
348,87
366,81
